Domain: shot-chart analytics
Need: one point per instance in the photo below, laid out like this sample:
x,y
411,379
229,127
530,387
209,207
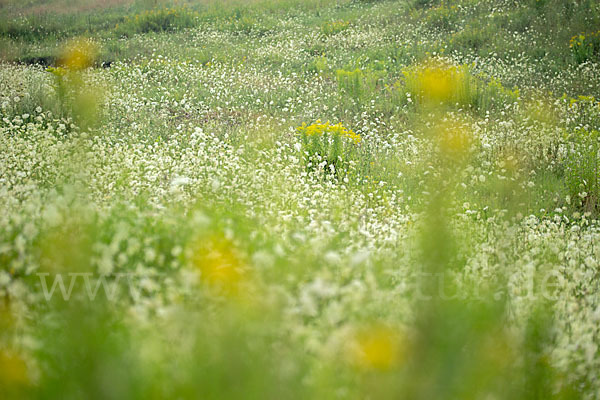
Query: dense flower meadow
x,y
343,208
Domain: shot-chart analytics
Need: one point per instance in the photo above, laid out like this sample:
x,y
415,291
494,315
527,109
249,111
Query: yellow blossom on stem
x,y
377,347
219,264
321,129
78,54
13,370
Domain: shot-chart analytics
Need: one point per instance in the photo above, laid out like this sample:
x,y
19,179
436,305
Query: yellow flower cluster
x,y
582,40
13,370
219,264
327,129
437,83
582,100
78,55
585,47
377,347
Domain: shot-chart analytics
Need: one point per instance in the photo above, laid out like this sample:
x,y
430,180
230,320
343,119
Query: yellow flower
x,y
13,370
437,82
219,264
78,54
376,347
324,129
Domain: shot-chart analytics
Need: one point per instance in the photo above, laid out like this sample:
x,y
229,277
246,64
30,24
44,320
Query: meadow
x,y
286,199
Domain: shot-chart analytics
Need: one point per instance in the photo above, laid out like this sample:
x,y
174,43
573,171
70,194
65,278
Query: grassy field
x,y
309,199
